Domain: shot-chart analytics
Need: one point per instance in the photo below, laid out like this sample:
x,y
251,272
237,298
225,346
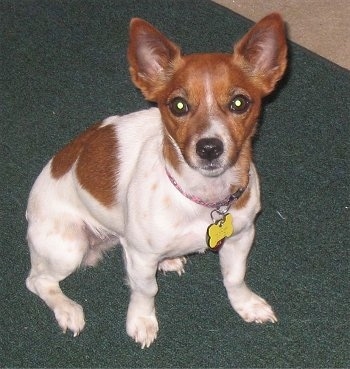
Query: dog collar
x,y
225,203
222,221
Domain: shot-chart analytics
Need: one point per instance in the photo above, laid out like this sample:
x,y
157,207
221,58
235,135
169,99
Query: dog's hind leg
x,y
57,249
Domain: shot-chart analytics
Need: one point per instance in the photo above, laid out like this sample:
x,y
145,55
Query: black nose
x,y
209,148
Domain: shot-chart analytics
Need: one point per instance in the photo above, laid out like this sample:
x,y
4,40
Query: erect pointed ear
x,y
152,58
262,52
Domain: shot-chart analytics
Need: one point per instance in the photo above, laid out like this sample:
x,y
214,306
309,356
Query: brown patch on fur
x,y
243,163
97,165
242,201
170,153
95,152
63,161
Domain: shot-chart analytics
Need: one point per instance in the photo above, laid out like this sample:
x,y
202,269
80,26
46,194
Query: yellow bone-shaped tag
x,y
217,232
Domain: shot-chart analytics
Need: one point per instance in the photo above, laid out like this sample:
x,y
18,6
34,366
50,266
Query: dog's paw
x,y
173,265
143,330
70,316
256,310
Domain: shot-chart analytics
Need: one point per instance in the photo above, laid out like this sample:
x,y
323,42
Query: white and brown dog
x,y
163,182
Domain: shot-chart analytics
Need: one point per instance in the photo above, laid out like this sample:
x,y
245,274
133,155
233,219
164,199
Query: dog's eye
x,y
179,107
239,104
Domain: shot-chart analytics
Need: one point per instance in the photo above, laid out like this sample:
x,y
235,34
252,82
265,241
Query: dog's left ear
x,y
262,52
152,58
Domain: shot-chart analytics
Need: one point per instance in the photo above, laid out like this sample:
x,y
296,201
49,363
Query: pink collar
x,y
226,202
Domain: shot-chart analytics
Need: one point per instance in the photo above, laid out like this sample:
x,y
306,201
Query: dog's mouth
x,y
210,169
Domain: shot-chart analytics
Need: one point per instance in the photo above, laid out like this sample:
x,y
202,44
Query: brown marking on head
x,y
95,155
207,85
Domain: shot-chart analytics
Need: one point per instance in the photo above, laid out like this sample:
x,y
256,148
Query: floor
x,y
321,26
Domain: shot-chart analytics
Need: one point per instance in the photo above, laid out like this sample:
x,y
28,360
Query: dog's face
x,y
209,110
209,102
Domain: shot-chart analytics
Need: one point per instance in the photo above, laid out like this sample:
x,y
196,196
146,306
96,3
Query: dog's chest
x,y
158,218
167,223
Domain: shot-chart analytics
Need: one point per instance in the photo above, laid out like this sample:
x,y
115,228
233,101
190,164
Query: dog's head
x,y
209,102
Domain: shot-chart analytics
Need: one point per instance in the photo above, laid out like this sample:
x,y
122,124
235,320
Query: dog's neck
x,y
208,189
224,203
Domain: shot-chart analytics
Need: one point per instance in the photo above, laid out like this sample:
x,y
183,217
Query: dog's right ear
x,y
152,58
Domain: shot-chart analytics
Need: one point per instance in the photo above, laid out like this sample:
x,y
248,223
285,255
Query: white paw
x,y
143,330
70,316
173,265
256,310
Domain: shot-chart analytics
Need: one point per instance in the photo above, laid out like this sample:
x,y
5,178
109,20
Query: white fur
x,y
153,221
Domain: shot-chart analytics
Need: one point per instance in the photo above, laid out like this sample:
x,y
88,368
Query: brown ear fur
x,y
152,57
262,52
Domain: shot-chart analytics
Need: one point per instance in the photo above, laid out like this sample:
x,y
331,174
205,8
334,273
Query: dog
x,y
163,183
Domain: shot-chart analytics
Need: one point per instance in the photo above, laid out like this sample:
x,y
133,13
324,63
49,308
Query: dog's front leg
x,y
141,324
233,257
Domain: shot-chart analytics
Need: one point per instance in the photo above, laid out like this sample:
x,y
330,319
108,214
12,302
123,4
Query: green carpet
x,y
63,66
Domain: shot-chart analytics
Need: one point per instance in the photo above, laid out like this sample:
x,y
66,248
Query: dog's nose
x,y
209,148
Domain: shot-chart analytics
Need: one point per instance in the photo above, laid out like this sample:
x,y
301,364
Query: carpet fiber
x,y
63,66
